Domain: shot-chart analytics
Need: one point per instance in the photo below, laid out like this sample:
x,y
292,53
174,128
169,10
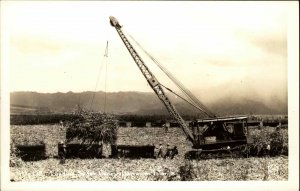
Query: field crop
x,y
40,119
154,136
265,168
277,138
241,169
35,134
153,170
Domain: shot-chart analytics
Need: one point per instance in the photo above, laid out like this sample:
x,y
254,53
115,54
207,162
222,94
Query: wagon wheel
x,y
188,155
220,154
120,154
244,151
209,156
235,153
228,154
198,154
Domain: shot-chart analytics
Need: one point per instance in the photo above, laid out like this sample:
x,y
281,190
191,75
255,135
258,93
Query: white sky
x,y
58,46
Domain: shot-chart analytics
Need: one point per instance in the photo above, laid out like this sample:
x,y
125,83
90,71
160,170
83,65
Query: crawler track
x,y
236,152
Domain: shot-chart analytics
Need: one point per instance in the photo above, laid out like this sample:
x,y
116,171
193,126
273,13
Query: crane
x,y
216,126
152,80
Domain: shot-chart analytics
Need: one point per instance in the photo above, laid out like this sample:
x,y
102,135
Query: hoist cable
x,y
98,76
97,81
106,55
195,106
176,82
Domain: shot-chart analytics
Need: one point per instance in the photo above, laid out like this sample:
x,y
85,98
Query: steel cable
x,y
189,95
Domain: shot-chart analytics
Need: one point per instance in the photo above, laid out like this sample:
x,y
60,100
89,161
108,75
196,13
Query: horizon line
x,y
30,91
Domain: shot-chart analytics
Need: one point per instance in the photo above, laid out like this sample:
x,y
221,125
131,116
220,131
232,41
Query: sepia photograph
x,y
135,95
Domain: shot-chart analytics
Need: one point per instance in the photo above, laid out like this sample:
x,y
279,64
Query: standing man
x,y
168,152
62,153
165,127
61,123
160,151
174,152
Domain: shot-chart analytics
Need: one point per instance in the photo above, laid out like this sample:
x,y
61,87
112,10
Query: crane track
x,y
240,151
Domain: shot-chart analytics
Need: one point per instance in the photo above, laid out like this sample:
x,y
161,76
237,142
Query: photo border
x,y
293,130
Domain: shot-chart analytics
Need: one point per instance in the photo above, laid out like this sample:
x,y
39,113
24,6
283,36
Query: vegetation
x,y
92,128
236,169
40,119
259,168
274,138
51,135
153,170
14,161
56,118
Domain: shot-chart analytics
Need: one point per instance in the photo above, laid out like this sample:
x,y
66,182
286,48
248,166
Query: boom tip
x,y
114,22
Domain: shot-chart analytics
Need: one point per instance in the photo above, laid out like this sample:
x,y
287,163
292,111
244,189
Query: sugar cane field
x,y
115,169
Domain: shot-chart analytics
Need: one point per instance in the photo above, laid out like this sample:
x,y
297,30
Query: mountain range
x,y
139,103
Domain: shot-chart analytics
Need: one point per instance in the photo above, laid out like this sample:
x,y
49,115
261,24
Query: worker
x,y
156,149
168,152
61,123
174,152
166,127
160,151
62,152
268,149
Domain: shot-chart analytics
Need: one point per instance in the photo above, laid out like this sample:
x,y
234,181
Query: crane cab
x,y
218,133
219,138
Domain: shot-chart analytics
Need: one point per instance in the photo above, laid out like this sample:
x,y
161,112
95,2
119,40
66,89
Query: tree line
x,y
57,118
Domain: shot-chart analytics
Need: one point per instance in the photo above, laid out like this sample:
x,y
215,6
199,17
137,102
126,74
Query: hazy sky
x,y
59,46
